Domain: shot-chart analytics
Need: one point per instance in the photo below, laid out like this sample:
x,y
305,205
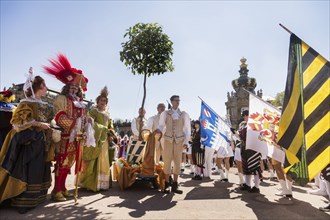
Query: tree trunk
x,y
143,101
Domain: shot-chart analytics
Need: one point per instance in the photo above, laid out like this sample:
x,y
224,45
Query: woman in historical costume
x,y
6,112
24,171
197,151
96,169
70,115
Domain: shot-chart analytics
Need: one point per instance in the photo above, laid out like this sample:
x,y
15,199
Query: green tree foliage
x,y
278,99
148,51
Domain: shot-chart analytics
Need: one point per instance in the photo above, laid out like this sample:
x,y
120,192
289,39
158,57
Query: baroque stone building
x,y
17,90
121,127
238,100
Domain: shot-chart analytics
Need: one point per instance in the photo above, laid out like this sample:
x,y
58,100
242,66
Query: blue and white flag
x,y
215,132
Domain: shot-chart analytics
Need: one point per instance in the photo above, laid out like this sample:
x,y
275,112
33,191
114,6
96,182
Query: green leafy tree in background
x,y
278,99
147,52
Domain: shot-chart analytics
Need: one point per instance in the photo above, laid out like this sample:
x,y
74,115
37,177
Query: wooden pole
x,y
285,28
214,112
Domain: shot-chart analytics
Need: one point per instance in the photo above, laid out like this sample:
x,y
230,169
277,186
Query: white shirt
x,y
175,116
134,128
153,122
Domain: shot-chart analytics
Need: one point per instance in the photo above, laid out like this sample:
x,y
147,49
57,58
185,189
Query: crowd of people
x,y
34,137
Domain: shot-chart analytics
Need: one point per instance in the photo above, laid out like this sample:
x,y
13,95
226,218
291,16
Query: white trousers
x,y
208,161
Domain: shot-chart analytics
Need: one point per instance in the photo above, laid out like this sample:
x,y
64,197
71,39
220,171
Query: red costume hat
x,y
7,96
62,70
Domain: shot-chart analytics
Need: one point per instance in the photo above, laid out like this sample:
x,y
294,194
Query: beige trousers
x,y
158,150
172,152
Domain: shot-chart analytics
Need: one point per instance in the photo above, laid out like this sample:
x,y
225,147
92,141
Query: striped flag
x,y
304,126
135,151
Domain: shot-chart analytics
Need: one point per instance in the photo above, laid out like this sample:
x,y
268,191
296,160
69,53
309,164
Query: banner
x,y
215,132
304,127
262,128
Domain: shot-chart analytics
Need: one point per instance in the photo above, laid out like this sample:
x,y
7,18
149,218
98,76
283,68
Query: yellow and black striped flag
x,y
305,122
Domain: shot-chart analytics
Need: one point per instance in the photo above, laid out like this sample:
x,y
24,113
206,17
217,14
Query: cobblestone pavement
x,y
206,199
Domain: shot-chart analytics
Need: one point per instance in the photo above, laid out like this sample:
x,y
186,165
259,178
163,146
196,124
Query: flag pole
x,y
214,112
290,32
260,99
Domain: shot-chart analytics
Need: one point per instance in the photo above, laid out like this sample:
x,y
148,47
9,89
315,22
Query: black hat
x,y
245,113
196,122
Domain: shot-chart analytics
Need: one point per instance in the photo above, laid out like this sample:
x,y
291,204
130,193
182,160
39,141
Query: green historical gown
x,y
96,167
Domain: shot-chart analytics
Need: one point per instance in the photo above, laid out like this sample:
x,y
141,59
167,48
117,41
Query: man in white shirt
x,y
176,129
137,123
152,125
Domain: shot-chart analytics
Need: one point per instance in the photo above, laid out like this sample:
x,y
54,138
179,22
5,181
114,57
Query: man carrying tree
x,y
138,124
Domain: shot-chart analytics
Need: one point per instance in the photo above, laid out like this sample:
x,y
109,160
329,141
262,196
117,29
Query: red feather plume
x,y
62,70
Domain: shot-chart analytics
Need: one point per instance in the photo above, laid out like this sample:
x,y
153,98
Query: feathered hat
x,y
62,70
104,92
7,96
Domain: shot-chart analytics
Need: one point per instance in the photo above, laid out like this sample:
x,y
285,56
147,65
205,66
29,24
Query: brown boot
x,y
67,194
58,197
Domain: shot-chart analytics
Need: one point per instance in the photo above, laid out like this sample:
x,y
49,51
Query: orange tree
x,y
148,51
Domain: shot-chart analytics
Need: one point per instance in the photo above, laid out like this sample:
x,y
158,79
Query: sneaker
x,y
245,187
325,208
318,192
254,190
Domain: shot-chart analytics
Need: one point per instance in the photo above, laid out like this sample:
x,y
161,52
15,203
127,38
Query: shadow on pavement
x,y
58,211
281,208
220,190
141,199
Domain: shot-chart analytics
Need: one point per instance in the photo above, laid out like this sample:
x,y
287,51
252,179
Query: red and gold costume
x,y
67,116
70,115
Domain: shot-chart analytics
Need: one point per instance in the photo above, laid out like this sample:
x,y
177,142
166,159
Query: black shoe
x,y
167,188
175,188
170,181
197,177
224,180
325,208
245,187
151,185
254,190
24,210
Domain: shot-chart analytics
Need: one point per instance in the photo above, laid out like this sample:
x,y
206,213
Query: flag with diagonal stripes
x,y
135,151
305,122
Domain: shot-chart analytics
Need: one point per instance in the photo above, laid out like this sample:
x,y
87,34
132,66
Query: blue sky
x,y
210,38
